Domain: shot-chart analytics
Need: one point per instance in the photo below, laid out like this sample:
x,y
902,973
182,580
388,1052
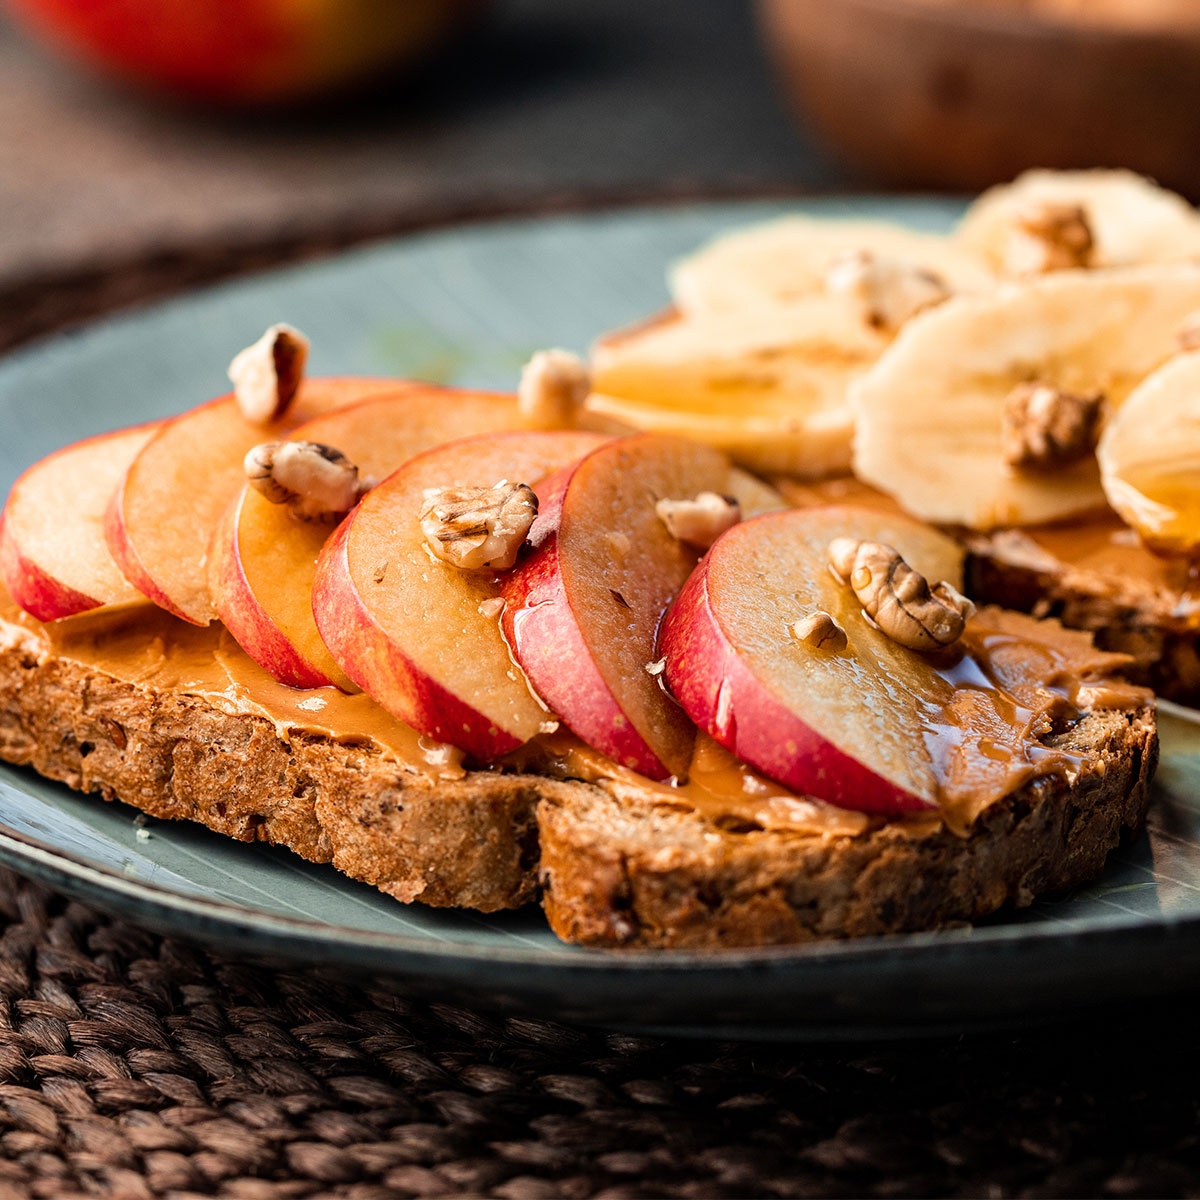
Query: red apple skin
x,y
244,51
723,697
241,613
394,681
32,589
537,613
126,558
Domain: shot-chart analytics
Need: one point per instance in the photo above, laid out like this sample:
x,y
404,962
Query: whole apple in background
x,y
262,559
418,635
245,51
53,557
849,726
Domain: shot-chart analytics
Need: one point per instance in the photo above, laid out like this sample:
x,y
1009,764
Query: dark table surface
x,y
136,1066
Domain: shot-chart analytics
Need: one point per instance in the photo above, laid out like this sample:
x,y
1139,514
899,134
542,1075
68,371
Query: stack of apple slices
x,y
605,617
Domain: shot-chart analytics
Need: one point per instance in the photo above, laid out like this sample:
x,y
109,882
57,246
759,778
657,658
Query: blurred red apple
x,y
245,51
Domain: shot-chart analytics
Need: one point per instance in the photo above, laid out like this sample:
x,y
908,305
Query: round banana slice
x,y
936,413
769,387
1149,458
1128,220
790,258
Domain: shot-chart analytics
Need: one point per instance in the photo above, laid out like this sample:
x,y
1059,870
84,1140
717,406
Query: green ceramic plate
x,y
468,306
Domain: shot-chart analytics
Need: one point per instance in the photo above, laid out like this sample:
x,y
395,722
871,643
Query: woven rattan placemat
x,y
132,1065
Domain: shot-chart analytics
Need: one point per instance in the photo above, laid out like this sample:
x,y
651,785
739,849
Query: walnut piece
x,y
819,629
886,291
316,482
267,375
1048,236
1187,337
897,598
1045,428
554,385
700,521
478,528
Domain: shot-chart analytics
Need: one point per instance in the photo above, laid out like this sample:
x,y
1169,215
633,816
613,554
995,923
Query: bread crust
x,y
466,842
632,871
618,867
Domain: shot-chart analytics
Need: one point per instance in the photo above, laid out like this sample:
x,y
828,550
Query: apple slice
x,y
583,609
53,558
262,559
859,727
408,628
167,504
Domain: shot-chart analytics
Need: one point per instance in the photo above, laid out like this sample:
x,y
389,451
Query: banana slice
x,y
1149,457
766,447
767,386
932,412
1130,219
788,259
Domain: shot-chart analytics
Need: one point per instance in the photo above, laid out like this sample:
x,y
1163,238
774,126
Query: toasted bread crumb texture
x,y
469,842
616,872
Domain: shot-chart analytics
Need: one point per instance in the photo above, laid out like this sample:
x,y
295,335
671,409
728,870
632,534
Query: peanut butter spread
x,y
1036,675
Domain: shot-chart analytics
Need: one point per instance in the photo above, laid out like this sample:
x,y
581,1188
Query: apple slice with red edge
x,y
851,727
407,627
53,557
262,558
167,504
583,607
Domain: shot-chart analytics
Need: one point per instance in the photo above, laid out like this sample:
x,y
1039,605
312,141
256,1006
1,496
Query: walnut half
x,y
315,481
478,528
898,599
1045,428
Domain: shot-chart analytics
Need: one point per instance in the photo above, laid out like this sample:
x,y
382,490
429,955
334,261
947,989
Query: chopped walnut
x,y
1188,335
819,629
700,521
476,528
492,607
316,482
554,385
1048,236
886,291
267,375
1045,427
897,598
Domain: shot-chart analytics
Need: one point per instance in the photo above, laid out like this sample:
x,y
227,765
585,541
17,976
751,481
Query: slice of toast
x,y
620,864
1093,574
622,870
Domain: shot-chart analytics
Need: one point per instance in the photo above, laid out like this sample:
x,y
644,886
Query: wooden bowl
x,y
963,93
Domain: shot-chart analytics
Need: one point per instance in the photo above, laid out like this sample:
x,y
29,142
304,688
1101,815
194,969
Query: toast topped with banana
x,y
571,645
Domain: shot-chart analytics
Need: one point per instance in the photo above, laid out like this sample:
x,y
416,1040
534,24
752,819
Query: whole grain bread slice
x,y
1135,605
468,842
618,866
628,870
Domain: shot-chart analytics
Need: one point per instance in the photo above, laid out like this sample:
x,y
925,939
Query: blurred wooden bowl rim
x,y
962,94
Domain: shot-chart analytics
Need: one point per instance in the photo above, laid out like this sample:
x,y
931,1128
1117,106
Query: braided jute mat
x,y
136,1066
